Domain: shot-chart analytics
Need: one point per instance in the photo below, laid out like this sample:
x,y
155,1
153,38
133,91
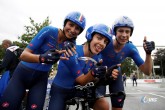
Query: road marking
x,y
157,95
136,93
148,93
139,90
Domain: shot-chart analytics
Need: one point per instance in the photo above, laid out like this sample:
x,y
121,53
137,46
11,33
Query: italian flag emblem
x,y
81,17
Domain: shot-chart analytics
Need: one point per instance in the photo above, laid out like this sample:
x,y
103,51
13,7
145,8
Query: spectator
x,y
10,60
134,79
124,79
9,63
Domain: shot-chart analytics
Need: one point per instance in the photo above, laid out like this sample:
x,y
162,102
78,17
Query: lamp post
x,y
161,67
161,64
153,69
163,80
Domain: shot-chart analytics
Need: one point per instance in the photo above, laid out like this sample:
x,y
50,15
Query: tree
x,y
128,66
1,52
159,59
31,31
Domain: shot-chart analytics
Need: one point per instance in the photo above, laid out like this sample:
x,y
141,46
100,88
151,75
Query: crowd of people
x,y
53,44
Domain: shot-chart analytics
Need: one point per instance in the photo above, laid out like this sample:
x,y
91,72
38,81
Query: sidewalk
x,y
143,83
147,80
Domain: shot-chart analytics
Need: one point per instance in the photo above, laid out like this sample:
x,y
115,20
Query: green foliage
x,y
21,45
2,51
128,66
159,60
31,31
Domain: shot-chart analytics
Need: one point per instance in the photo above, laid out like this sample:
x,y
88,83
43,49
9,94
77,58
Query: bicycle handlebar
x,y
77,100
88,85
87,59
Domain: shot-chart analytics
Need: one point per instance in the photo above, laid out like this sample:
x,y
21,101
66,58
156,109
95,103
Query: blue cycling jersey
x,y
31,76
69,70
46,39
110,57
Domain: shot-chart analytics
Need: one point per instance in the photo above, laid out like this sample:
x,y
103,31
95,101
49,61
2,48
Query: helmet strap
x,y
72,39
64,34
89,48
118,42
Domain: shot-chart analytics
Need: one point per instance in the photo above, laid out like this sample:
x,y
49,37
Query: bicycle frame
x,y
86,90
88,96
87,59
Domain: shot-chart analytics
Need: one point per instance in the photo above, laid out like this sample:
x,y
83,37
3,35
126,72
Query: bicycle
x,y
88,96
83,99
89,90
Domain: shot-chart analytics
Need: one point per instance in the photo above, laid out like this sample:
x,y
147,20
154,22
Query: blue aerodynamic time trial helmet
x,y
101,29
122,21
77,18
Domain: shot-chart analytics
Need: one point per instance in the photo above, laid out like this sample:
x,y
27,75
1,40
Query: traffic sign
x,y
157,66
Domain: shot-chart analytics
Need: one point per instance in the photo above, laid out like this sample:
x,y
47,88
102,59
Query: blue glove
x,y
150,46
99,71
106,77
109,71
50,57
68,45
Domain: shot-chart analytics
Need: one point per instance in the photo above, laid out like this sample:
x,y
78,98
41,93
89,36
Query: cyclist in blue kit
x,y
75,71
43,51
122,48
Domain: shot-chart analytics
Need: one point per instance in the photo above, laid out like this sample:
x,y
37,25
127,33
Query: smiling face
x,y
98,43
123,34
71,30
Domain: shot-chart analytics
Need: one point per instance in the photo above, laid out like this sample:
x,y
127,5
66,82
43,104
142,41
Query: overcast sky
x,y
148,16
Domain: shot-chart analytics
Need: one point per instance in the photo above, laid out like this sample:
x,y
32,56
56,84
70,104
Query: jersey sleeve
x,y
37,41
136,56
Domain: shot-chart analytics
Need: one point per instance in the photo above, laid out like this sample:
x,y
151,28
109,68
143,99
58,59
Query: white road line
x,y
157,95
150,86
136,93
148,93
139,90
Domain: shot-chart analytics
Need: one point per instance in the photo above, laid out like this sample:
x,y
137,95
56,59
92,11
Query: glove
x,y
50,57
150,46
105,77
109,72
99,71
99,64
68,45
